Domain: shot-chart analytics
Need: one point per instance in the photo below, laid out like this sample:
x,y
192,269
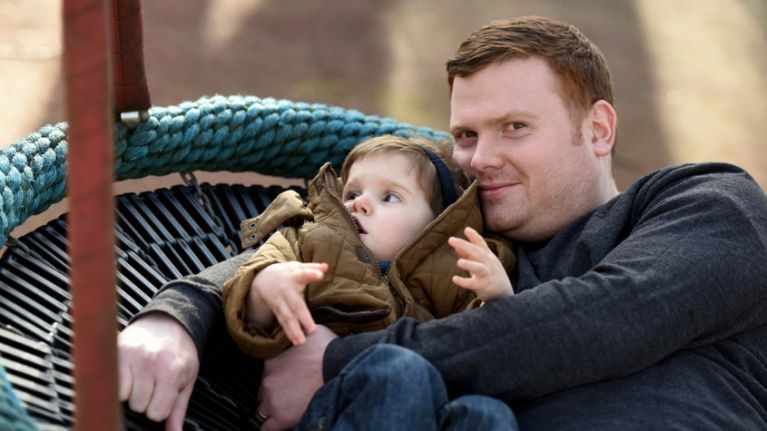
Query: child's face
x,y
383,196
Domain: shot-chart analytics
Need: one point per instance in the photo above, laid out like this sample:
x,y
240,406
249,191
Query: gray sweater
x,y
648,313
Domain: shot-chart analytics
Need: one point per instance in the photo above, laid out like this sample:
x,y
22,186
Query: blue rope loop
x,y
220,133
12,414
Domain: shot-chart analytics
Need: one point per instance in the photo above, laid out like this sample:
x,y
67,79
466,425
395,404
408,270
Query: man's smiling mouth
x,y
496,189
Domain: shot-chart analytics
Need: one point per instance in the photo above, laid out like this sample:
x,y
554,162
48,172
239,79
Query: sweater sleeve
x,y
690,272
195,302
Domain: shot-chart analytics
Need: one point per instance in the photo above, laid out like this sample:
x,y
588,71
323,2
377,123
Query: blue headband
x,y
446,183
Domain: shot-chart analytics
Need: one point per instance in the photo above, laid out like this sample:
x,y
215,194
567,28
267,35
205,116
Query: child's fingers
x,y
476,269
300,311
467,250
288,322
475,238
306,276
464,282
314,265
306,321
460,245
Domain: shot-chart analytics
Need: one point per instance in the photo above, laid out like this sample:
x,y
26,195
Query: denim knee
x,y
394,368
385,387
470,412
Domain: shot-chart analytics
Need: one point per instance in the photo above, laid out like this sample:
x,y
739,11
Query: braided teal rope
x,y
12,414
238,133
235,133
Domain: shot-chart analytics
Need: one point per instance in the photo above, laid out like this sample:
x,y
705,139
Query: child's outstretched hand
x,y
488,276
280,288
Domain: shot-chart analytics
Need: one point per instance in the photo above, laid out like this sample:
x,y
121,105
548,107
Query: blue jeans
x,y
388,387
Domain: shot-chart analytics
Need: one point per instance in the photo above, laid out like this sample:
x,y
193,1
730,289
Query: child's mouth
x,y
358,226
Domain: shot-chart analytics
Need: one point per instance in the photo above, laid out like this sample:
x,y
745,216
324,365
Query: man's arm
x,y
160,351
689,272
195,301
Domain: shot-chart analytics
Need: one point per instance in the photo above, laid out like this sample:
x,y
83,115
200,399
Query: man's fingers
x,y
141,392
163,400
175,421
125,378
272,425
155,355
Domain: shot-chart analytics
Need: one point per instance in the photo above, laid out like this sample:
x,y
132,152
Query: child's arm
x,y
488,276
277,291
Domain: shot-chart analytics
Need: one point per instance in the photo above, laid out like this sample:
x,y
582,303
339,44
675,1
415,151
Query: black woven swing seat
x,y
162,235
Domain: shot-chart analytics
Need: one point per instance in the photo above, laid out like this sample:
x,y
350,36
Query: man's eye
x,y
466,134
391,197
516,125
465,138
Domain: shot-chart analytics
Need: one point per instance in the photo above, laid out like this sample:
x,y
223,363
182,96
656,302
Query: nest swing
x,y
160,235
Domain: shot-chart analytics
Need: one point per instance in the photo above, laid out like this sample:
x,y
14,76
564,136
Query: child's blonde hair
x,y
413,148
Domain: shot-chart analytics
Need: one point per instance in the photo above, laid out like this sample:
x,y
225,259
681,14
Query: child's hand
x,y
488,276
280,287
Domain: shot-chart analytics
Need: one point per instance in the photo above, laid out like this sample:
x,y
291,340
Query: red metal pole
x,y
89,104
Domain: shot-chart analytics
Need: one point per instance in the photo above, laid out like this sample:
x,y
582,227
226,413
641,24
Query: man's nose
x,y
486,155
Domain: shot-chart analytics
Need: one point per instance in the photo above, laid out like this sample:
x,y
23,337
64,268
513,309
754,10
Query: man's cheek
x,y
463,158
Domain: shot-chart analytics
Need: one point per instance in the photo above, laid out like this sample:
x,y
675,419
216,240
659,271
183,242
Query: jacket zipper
x,y
355,226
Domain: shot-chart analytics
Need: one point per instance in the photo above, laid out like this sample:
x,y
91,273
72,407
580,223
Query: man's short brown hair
x,y
579,64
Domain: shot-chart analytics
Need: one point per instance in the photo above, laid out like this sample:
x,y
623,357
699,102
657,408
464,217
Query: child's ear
x,y
602,119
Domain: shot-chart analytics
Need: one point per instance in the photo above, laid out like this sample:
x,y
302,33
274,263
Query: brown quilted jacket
x,y
353,296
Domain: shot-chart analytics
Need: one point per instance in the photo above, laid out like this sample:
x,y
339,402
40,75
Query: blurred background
x,y
690,76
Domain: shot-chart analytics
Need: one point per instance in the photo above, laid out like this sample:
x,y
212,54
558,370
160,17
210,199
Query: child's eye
x,y
350,196
391,197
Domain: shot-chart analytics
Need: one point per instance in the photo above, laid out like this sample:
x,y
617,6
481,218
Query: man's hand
x,y
290,380
488,276
278,290
158,365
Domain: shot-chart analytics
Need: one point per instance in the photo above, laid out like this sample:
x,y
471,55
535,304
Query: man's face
x,y
537,170
383,196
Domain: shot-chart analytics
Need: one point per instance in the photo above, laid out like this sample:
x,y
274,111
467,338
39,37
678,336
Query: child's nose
x,y
361,204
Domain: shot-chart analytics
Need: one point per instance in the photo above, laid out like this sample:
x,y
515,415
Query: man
x,y
639,310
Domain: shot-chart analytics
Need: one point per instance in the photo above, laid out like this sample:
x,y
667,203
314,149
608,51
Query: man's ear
x,y
603,121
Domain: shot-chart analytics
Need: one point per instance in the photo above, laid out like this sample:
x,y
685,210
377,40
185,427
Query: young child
x,y
365,251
